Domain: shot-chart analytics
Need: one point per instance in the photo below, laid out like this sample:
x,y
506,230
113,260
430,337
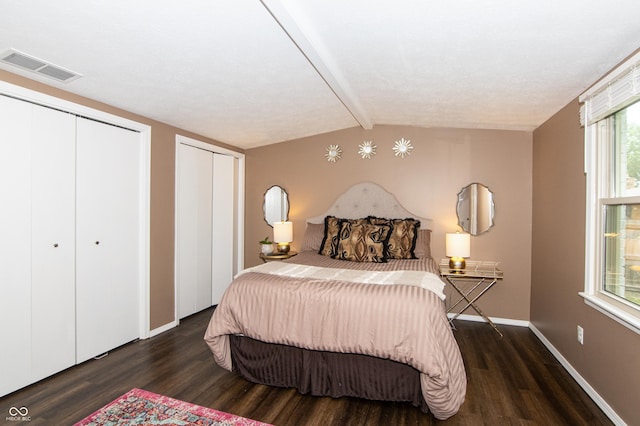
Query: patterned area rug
x,y
140,407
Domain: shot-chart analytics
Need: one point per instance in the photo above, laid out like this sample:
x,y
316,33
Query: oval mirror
x,y
475,209
275,205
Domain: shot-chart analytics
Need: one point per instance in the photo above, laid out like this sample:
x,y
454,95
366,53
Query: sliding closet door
x,y
223,224
53,241
108,215
195,170
15,244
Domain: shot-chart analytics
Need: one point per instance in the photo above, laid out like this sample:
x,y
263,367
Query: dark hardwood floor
x,y
512,380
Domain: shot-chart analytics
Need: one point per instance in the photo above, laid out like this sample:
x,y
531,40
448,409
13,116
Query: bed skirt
x,y
321,373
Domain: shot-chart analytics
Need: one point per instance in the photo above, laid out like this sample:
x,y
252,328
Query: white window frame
x,y
617,90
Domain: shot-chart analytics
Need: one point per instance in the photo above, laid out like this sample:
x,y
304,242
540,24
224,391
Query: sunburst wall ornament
x,y
402,147
333,153
367,149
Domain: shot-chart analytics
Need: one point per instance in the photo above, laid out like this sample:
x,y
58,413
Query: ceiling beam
x,y
311,46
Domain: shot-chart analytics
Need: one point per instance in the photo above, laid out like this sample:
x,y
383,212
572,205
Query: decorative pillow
x,y
360,241
353,222
423,243
313,236
329,243
402,241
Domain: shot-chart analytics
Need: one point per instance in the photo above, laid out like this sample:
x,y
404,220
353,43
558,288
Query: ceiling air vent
x,y
26,62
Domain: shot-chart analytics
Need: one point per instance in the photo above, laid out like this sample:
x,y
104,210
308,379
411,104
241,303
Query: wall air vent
x,y
26,62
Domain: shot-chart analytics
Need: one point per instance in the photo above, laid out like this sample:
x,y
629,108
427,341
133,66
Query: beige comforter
x,y
403,322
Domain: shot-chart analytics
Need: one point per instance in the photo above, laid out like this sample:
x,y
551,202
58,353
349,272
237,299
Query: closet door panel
x,y
223,224
15,244
203,242
53,242
108,211
187,231
194,230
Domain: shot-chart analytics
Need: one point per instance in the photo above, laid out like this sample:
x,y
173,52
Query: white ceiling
x,y
251,73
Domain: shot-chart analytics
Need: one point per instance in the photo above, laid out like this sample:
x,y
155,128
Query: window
x,y
621,237
611,114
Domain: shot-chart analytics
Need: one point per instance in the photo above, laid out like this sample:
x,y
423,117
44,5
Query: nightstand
x,y
276,256
471,283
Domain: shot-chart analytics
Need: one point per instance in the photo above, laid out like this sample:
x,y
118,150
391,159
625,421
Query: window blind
x,y
617,90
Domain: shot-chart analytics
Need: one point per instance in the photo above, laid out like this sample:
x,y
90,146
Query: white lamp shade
x,y
282,232
458,245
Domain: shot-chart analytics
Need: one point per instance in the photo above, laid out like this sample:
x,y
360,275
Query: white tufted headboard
x,y
368,198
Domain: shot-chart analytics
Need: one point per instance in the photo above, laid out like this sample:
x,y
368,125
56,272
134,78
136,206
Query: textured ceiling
x,y
251,73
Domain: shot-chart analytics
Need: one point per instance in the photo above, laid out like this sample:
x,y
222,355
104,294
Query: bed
x,y
358,312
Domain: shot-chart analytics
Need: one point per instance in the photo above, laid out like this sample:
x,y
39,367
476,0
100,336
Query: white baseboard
x,y
163,328
478,318
600,402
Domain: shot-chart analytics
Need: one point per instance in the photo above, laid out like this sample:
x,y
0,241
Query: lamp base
x,y
283,248
457,264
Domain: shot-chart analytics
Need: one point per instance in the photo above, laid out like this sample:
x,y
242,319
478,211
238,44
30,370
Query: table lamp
x,y
458,246
283,235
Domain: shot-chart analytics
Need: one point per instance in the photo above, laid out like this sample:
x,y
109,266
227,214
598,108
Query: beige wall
x,y
608,360
427,183
162,196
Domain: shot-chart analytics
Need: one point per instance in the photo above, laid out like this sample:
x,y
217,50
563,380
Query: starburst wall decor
x,y
333,153
402,147
367,149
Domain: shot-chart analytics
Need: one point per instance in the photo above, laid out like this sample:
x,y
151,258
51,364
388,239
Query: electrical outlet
x,y
580,335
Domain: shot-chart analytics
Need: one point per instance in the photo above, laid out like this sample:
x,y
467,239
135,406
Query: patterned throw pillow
x,y
360,241
402,241
330,241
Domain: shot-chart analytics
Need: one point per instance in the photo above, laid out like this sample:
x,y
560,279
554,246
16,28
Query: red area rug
x,y
140,407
